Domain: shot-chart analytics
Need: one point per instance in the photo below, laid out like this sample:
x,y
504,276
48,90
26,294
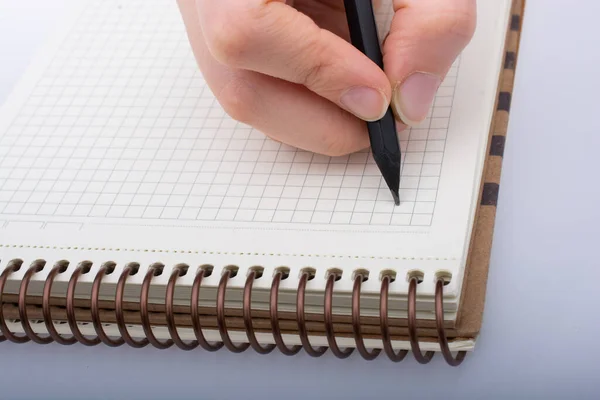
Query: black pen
x,y
383,135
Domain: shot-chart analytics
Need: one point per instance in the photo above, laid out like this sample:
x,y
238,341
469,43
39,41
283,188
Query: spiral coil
x,y
228,273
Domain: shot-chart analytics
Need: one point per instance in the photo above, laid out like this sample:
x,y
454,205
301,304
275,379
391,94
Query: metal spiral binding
x,y
104,270
56,337
228,273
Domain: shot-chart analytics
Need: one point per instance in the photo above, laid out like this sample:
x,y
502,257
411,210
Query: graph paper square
x,y
122,125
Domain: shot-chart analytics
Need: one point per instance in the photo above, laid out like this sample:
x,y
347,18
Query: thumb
x,y
426,37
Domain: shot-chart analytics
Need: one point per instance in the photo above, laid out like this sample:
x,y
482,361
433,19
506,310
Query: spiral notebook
x,y
135,211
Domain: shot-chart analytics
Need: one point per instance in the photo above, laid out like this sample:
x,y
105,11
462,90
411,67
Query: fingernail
x,y
413,98
364,102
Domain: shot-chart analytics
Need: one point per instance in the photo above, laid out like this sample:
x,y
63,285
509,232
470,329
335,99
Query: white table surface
x,y
541,333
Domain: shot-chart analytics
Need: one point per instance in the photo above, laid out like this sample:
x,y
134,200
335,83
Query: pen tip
x,y
396,197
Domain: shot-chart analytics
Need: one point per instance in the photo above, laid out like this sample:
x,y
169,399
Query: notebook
x,y
135,211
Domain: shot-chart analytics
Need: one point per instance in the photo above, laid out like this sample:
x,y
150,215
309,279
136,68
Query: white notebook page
x,y
113,140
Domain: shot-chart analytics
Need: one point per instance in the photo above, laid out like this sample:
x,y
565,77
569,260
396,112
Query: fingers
x,y
286,112
426,37
292,114
274,39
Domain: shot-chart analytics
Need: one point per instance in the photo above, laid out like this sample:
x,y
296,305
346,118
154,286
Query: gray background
x,y
541,333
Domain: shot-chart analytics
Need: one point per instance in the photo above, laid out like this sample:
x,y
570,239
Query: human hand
x,y
287,68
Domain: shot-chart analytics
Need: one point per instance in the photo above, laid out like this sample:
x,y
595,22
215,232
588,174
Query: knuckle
x,y
459,23
309,77
318,76
229,42
238,99
311,63
317,72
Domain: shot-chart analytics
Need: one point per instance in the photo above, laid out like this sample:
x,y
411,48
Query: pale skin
x,y
287,68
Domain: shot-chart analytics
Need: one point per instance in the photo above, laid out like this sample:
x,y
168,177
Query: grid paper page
x,y
112,148
121,125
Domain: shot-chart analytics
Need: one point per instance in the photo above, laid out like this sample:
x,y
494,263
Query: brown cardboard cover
x,y
470,313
